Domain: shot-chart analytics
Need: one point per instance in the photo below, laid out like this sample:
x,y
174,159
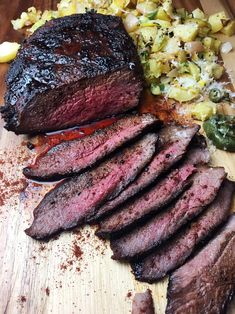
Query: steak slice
x,y
143,303
206,184
70,202
206,283
76,155
174,253
72,70
151,201
154,199
174,141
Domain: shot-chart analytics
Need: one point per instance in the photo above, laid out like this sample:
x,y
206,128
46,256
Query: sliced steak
x,y
174,141
151,201
143,303
76,155
174,253
73,70
70,202
206,184
154,199
206,283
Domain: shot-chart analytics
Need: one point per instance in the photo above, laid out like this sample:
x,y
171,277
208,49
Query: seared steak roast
x,y
206,283
154,199
76,155
174,141
73,70
174,253
70,202
206,184
143,303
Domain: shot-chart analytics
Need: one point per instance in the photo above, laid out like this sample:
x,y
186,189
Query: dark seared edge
x,y
206,283
76,155
143,303
145,238
70,202
151,201
175,252
72,70
173,144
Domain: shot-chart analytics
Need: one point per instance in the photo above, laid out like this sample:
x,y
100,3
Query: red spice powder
x,y
47,291
129,294
77,252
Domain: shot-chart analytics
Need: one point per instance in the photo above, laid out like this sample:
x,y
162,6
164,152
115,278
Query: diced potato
x,y
155,68
194,70
229,29
217,45
162,15
145,22
162,23
148,33
182,94
167,6
203,26
209,56
216,21
159,42
198,14
67,8
8,51
203,110
187,32
217,71
117,6
199,22
146,8
208,42
172,46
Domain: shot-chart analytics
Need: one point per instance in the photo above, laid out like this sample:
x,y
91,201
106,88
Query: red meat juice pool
x,y
42,143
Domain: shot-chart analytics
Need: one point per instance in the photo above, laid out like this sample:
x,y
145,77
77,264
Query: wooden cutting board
x,y
74,273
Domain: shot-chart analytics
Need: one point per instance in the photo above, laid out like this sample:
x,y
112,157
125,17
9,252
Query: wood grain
x,y
48,278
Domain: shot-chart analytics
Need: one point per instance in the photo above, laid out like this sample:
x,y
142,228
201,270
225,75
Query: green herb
x,y
220,129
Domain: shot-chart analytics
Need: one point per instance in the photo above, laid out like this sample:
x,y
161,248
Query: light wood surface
x,y
47,277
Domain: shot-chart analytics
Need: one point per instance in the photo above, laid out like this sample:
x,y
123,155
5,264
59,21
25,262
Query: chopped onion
x,y
194,46
131,22
226,47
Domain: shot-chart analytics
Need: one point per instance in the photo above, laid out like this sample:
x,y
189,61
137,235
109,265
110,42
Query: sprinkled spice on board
x,y
47,291
129,294
77,250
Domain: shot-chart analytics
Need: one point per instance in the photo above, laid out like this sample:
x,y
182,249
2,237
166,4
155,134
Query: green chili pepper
x,y
217,95
220,129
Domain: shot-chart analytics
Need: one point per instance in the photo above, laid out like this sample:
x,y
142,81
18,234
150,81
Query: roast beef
x,y
143,239
206,283
174,141
73,70
70,202
76,155
174,253
143,303
152,200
